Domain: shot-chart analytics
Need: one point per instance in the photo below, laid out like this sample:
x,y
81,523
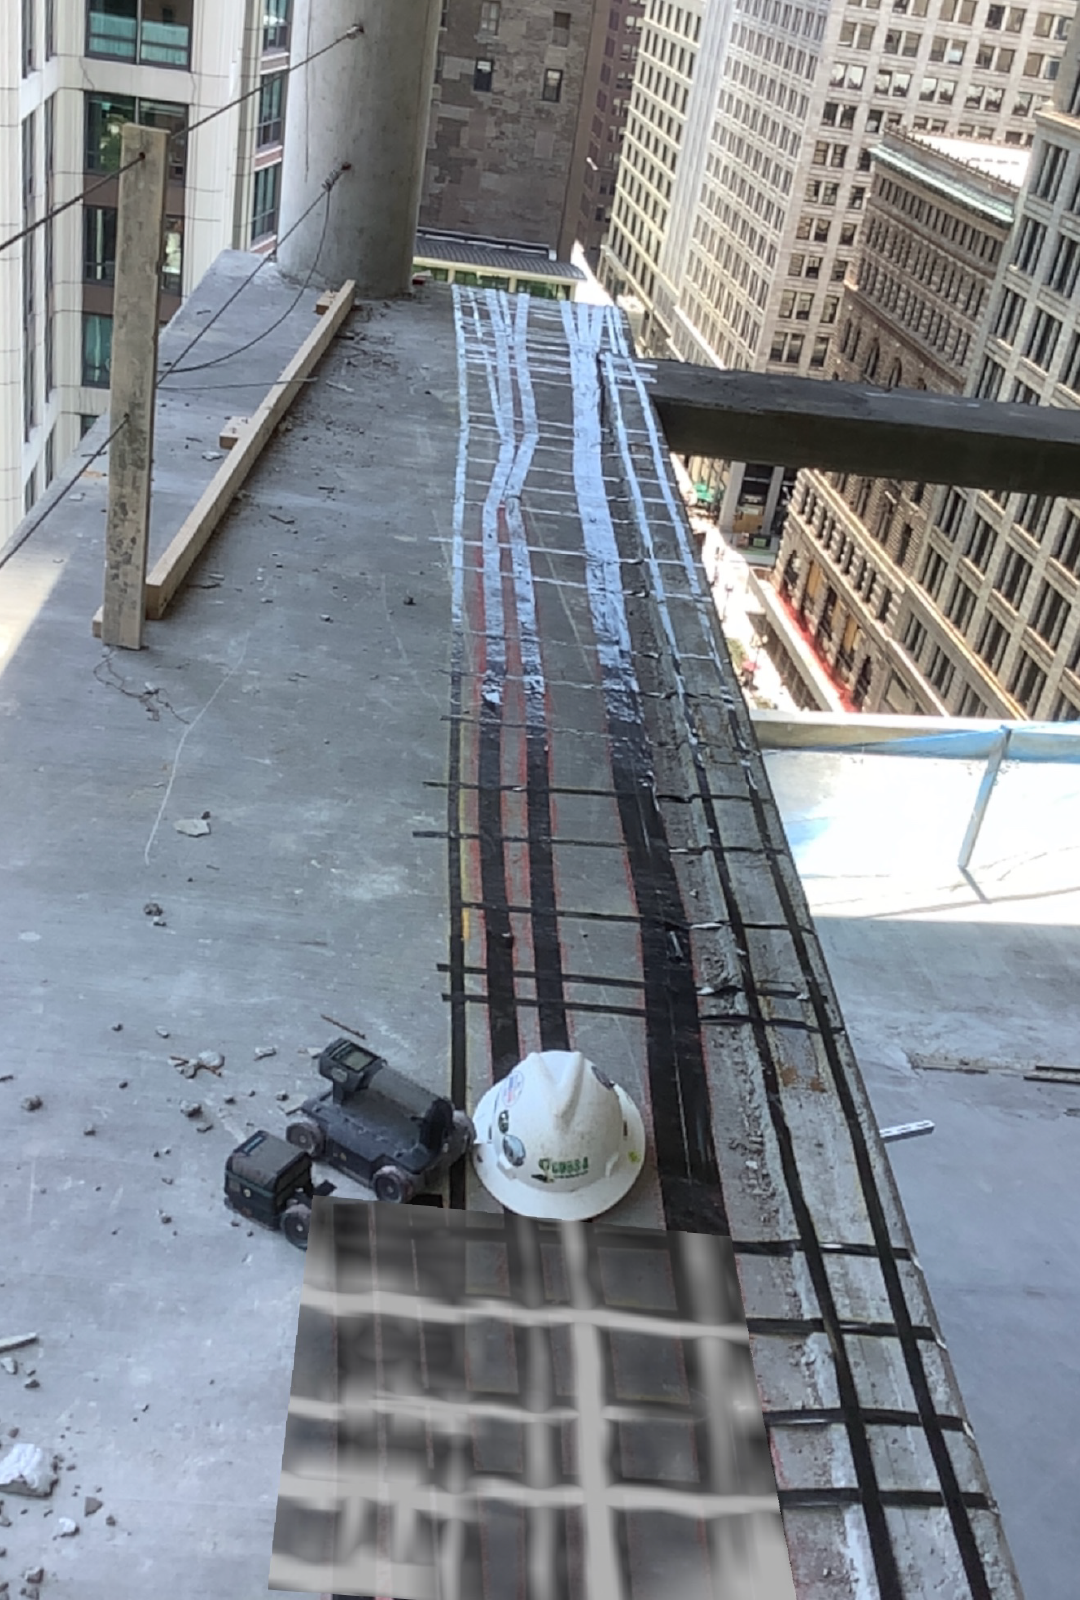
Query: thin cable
x,y
174,369
217,361
67,205
13,549
294,66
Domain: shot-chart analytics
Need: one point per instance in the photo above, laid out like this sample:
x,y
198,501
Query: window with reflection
x,y
152,32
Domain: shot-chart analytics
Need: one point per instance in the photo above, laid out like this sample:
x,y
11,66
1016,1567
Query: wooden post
x,y
140,232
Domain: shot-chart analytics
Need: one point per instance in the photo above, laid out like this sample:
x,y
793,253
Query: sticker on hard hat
x,y
564,1169
511,1089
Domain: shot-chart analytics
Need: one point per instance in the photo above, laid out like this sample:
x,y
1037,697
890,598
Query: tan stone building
x,y
988,623
937,219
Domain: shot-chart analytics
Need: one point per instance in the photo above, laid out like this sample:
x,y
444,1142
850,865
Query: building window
x,y
989,386
264,205
560,28
1051,170
105,119
1064,710
952,513
28,21
933,574
970,704
1012,579
1050,615
99,244
820,351
1024,394
1042,340
941,670
1029,245
50,32
275,25
961,605
552,90
993,642
914,637
483,73
1065,266
1070,373
1033,513
97,350
980,543
271,124
1028,683
141,30
489,16
1067,548
172,257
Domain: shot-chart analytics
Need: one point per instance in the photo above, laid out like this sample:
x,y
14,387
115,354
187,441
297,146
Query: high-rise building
x,y
608,123
937,218
642,213
800,93
998,588
72,76
516,84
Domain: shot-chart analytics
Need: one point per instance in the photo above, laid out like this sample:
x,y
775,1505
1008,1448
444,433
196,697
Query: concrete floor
x,y
166,1335
926,964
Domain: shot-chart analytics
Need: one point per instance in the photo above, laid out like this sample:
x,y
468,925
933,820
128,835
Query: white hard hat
x,y
556,1138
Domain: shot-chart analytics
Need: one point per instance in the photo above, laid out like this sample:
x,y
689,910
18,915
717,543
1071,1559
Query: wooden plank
x,y
908,434
173,566
143,154
232,432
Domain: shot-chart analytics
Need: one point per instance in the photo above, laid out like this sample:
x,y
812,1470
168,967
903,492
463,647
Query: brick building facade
x,y
516,83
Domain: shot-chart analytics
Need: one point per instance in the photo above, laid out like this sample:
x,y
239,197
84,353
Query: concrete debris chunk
x,y
31,1383
264,1051
162,1033
152,909
212,1060
90,1505
9,1364
34,1575
191,1108
89,1130
33,1102
66,1528
26,1469
192,827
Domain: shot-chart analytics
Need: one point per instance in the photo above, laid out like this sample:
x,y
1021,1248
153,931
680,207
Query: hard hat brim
x,y
554,1204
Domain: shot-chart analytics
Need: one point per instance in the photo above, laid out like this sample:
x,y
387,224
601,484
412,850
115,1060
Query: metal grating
x,y
524,1411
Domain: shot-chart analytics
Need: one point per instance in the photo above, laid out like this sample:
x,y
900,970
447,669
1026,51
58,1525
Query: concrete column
x,y
729,504
366,103
133,383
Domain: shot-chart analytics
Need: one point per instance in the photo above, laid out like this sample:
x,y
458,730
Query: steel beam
x,y
907,434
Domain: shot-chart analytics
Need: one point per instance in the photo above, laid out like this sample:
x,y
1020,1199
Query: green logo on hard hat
x,y
564,1169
